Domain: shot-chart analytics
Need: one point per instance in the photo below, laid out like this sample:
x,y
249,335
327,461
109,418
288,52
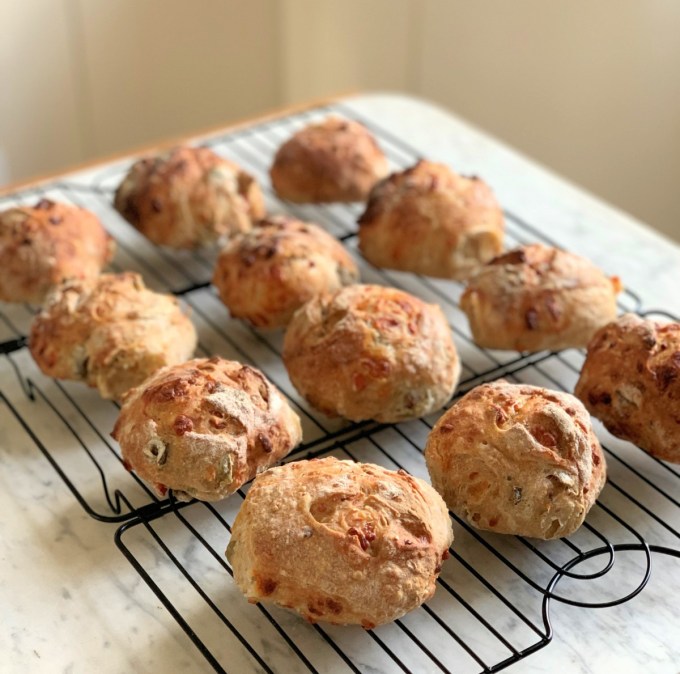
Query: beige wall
x,y
590,88
85,78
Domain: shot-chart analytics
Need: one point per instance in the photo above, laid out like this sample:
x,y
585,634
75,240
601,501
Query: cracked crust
x,y
43,245
340,542
630,380
110,332
536,297
204,428
371,352
333,160
432,221
189,197
264,276
517,459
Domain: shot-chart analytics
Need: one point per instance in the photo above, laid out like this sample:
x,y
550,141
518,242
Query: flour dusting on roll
x,y
517,459
341,542
204,428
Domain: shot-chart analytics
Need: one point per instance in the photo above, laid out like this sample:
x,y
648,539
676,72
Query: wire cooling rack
x,y
492,605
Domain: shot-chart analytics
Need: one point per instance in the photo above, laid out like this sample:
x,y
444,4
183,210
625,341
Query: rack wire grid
x,y
491,608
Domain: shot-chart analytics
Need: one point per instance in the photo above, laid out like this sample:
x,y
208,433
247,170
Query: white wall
x,y
589,87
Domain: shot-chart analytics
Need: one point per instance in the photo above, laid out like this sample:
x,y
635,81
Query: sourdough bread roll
x,y
340,542
536,297
204,428
517,459
111,332
371,352
630,380
333,160
432,221
267,274
43,245
188,197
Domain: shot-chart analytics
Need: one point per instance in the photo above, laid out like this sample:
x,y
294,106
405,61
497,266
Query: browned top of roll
x,y
205,427
40,246
517,459
188,197
338,541
538,297
430,220
630,380
265,275
333,160
372,352
110,332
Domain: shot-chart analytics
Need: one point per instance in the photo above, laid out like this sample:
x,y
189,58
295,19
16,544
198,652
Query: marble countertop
x,y
73,603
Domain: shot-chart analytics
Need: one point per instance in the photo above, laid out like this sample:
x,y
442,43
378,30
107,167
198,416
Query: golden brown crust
x,y
536,297
430,220
41,246
204,428
266,275
188,197
110,332
341,542
370,352
333,160
630,380
517,459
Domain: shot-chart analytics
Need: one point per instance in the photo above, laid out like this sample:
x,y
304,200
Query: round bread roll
x,y
333,160
536,297
338,541
264,276
631,382
517,459
110,332
431,221
189,197
370,352
204,428
43,245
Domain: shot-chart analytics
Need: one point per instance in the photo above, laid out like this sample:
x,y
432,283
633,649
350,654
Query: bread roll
x,y
110,332
431,221
370,352
631,382
188,197
264,276
341,542
517,459
204,428
536,297
43,245
333,160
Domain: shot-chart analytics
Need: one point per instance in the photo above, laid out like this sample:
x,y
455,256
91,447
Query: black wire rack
x,y
492,606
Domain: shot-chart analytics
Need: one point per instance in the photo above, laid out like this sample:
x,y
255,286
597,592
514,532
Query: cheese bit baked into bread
x,y
432,221
333,160
43,245
517,459
370,352
265,275
188,197
110,332
536,297
630,380
204,428
340,542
